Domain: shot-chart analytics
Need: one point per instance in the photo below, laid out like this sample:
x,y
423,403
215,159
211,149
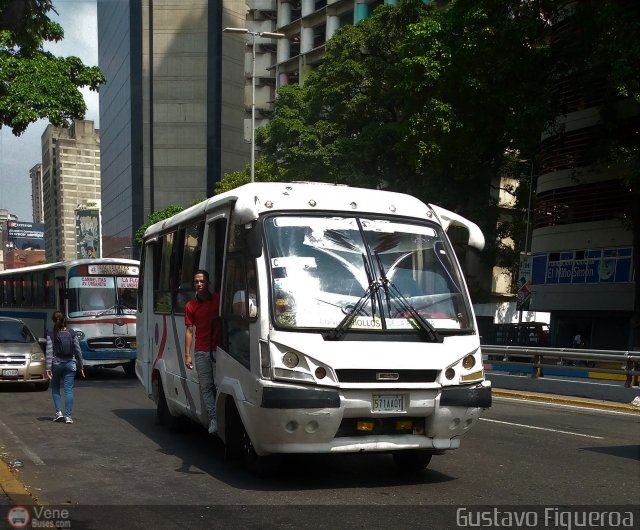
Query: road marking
x,y
543,429
566,405
28,452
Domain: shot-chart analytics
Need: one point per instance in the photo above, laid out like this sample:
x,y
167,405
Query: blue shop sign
x,y
607,265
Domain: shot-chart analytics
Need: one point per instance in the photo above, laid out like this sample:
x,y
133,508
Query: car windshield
x,y
364,274
15,332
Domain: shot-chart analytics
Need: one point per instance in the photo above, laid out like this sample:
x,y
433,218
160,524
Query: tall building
x,y
582,248
37,204
171,114
5,216
70,178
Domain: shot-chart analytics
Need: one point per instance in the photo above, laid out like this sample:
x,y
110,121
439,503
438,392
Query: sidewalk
x,y
568,400
12,491
574,387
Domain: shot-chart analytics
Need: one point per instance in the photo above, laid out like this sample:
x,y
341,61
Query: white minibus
x,y
354,331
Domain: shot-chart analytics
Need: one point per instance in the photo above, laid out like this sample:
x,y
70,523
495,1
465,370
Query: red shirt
x,y
201,314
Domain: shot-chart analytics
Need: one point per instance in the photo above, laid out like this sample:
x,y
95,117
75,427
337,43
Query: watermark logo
x,y
545,517
39,517
18,517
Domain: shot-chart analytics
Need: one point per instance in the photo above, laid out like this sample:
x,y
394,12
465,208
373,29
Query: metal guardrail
x,y
540,358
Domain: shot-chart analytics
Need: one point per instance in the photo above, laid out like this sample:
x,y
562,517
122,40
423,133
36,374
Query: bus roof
x,y
71,263
252,200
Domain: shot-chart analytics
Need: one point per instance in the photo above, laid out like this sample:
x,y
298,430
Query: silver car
x,y
21,357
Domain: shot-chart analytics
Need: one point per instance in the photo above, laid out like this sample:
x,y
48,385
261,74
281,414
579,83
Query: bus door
x,y
239,298
62,295
146,347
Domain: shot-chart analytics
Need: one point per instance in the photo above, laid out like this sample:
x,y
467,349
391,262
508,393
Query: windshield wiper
x,y
405,305
116,307
371,291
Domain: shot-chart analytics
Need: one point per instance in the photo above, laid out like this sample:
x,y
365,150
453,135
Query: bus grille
x,y
111,343
386,376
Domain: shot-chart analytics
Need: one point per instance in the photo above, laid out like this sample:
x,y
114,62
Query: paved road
x,y
521,453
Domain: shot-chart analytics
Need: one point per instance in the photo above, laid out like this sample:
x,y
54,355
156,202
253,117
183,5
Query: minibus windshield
x,y
98,295
363,274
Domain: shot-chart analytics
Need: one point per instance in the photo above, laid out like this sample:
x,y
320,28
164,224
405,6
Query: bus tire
x,y
233,431
129,369
261,466
412,461
163,414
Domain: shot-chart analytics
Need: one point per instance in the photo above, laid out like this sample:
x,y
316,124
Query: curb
x,y
566,400
13,489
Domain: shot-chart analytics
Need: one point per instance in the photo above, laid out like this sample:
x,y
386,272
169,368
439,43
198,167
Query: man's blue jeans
x,y
65,372
206,369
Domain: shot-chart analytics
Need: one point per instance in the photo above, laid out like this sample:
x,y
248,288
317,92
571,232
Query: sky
x,y
19,154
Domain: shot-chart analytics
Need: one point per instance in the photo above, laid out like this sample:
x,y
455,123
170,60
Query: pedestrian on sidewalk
x,y
63,361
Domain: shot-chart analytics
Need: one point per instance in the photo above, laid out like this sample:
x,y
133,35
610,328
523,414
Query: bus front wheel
x,y
262,466
129,369
412,461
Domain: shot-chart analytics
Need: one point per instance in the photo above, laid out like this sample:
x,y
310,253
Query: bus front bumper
x,y
313,420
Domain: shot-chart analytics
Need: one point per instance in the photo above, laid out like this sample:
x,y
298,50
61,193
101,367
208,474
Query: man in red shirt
x,y
201,318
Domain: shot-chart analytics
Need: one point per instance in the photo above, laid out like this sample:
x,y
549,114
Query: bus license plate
x,y
10,373
387,403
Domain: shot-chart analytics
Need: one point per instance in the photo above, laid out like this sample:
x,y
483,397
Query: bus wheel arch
x,y
238,444
164,416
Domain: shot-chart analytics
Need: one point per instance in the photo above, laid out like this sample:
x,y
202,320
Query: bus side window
x,y
162,280
191,251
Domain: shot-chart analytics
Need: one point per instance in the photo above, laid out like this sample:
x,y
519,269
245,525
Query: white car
x,y
22,358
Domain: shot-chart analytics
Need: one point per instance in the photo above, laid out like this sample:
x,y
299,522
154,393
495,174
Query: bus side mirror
x,y
254,241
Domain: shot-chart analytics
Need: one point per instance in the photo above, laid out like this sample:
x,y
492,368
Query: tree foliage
x,y
155,217
434,102
35,84
265,171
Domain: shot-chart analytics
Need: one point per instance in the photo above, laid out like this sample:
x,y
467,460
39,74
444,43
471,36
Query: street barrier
x,y
565,361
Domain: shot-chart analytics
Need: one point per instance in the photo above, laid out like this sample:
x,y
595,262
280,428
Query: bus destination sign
x,y
113,269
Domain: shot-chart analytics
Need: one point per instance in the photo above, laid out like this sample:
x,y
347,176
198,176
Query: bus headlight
x,y
468,362
79,334
290,359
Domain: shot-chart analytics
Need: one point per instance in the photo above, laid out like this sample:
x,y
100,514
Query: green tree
x,y
265,171
35,84
434,102
155,217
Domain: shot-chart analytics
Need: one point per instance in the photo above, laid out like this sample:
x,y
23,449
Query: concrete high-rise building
x,y
70,178
171,114
582,245
37,204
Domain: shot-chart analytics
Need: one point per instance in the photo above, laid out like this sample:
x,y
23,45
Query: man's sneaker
x,y
58,416
67,419
213,426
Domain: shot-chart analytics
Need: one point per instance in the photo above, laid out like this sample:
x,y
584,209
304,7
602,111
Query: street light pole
x,y
253,106
254,34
